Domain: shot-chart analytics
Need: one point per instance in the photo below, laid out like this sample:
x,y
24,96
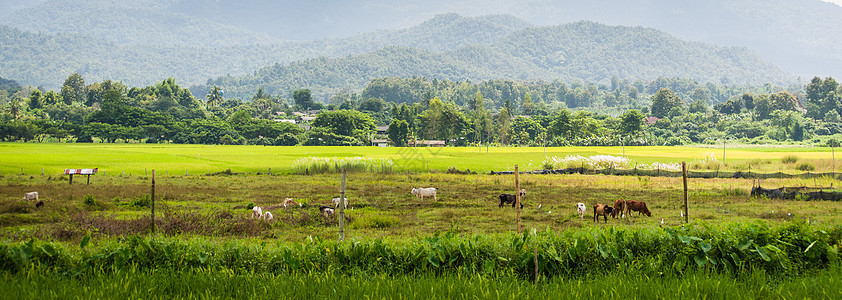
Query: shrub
x,y
142,201
90,200
789,159
806,167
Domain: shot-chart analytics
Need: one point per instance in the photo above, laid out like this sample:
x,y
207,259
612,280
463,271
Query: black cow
x,y
509,198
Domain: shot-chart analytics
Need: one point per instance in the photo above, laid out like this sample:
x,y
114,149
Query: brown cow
x,y
289,202
620,208
639,207
602,210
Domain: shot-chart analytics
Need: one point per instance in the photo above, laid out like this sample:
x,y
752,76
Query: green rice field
x,y
53,158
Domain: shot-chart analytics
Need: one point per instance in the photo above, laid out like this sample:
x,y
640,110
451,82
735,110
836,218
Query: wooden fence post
x,y
536,264
684,171
341,207
517,197
153,203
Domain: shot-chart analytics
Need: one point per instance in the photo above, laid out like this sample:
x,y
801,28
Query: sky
x,y
837,2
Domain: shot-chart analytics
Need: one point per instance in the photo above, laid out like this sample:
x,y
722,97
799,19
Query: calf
x,y
327,211
639,207
267,216
509,198
336,203
424,192
39,204
602,210
580,207
30,196
620,208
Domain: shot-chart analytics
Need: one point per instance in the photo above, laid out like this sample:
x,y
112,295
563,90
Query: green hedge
x,y
787,249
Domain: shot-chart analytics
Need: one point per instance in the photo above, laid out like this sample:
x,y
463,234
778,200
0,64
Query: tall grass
x,y
590,162
323,165
43,283
736,248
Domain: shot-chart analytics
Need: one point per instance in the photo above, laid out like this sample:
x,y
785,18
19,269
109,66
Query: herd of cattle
x,y
621,207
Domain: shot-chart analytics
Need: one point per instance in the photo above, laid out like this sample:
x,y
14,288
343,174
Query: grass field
x,y
113,159
216,208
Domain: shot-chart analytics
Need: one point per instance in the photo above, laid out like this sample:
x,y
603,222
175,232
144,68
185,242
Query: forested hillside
x,y
579,51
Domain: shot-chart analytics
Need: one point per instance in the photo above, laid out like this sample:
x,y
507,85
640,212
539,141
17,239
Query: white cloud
x,y
837,2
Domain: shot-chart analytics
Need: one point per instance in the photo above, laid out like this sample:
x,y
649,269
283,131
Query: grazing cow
x,y
336,202
30,196
619,208
327,211
424,192
509,198
602,210
39,204
639,207
256,212
580,207
288,202
267,216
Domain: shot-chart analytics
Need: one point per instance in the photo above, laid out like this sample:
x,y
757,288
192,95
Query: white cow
x,y
326,211
30,196
424,192
581,208
267,216
256,212
336,202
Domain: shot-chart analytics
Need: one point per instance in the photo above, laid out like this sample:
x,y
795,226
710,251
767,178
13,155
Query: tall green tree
x,y
561,126
74,90
504,121
631,123
663,102
398,132
303,99
36,101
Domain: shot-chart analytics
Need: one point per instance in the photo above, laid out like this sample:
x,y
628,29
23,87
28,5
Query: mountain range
x,y
282,45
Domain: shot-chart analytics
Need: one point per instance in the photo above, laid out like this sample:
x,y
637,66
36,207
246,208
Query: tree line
x,y
500,112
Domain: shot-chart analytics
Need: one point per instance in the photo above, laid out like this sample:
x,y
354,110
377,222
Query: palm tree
x,y
14,108
214,96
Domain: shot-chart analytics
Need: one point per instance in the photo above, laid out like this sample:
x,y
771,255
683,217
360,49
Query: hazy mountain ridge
x,y
497,46
801,36
131,22
25,54
584,50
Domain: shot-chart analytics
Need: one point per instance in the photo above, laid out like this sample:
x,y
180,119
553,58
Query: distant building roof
x,y
382,129
285,120
651,120
308,119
